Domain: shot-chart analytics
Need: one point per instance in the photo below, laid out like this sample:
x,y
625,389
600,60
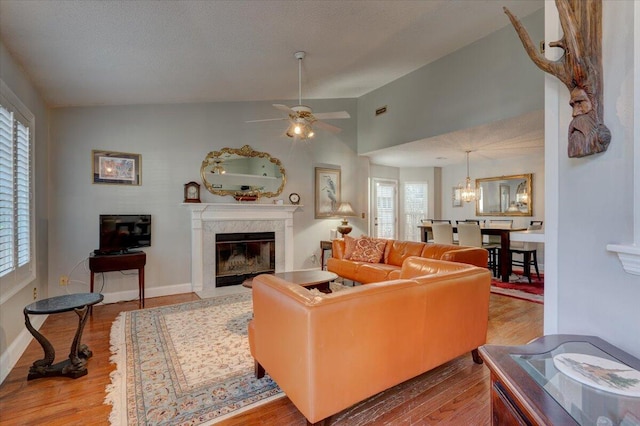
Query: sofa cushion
x,y
368,250
397,251
375,272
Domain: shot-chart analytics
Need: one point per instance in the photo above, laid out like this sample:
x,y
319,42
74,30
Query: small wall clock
x,y
192,192
294,198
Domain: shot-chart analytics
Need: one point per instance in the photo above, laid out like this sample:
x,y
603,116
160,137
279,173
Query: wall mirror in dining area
x,y
505,196
243,173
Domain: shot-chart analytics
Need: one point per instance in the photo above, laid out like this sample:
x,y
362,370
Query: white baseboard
x,y
14,351
148,292
10,357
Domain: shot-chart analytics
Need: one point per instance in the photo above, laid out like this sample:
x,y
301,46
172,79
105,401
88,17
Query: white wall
x,y
456,174
173,140
588,291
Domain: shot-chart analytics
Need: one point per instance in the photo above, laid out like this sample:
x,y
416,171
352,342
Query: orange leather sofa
x,y
330,351
395,253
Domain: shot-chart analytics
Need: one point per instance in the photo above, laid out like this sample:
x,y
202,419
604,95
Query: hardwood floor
x,y
455,393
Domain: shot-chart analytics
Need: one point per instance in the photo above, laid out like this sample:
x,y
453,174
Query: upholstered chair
x,y
442,233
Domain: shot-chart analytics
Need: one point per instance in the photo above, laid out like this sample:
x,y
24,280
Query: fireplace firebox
x,y
244,255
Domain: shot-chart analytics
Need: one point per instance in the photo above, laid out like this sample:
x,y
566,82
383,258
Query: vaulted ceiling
x,y
81,53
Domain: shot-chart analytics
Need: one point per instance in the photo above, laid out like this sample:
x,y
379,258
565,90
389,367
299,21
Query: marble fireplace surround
x,y
209,219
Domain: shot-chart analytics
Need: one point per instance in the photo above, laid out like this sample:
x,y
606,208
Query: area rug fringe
x,y
116,393
190,377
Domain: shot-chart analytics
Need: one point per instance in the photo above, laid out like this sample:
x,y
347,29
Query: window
x,y
415,208
385,206
16,207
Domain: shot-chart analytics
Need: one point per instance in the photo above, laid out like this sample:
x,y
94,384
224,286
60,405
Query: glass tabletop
x,y
594,387
63,303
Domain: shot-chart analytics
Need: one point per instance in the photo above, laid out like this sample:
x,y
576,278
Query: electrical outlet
x,y
35,293
64,280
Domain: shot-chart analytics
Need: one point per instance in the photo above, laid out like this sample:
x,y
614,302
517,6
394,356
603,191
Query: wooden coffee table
x,y
308,279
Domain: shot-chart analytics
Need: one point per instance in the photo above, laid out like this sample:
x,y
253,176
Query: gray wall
x,y
12,331
589,201
486,81
173,140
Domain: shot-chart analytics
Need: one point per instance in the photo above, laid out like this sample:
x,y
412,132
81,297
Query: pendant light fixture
x,y
300,126
468,193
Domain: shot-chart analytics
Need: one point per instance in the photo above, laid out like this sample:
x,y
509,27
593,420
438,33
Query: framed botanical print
x,y
327,192
116,167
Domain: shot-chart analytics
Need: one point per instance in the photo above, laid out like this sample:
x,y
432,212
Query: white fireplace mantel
x,y
207,219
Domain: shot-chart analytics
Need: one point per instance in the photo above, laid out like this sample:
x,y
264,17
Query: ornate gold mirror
x,y
244,173
505,196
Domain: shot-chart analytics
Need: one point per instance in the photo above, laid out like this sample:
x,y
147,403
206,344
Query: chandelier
x,y
468,193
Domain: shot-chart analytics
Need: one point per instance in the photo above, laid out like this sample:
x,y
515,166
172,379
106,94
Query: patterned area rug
x,y
185,364
519,288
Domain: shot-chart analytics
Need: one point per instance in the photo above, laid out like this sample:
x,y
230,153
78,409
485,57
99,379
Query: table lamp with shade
x,y
345,210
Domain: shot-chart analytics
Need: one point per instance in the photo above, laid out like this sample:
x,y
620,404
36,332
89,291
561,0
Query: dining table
x,y
505,243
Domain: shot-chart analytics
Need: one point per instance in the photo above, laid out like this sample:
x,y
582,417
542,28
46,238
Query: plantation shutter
x,y
23,194
7,258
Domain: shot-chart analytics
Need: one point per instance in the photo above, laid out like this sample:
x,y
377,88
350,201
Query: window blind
x,y
7,232
415,208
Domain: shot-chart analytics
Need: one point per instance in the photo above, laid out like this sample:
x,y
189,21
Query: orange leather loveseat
x,y
395,253
330,351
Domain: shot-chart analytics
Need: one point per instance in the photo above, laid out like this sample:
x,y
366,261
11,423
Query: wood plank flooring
x,y
456,393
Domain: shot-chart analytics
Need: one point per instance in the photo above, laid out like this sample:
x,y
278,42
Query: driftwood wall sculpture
x,y
579,68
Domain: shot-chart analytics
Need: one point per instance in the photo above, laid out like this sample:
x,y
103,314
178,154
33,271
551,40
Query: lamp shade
x,y
345,209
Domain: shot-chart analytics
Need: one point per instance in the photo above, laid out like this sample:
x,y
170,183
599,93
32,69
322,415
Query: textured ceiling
x,y
516,137
116,52
82,53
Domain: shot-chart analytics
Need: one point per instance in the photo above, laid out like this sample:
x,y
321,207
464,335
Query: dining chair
x,y
499,223
476,221
529,252
469,234
442,233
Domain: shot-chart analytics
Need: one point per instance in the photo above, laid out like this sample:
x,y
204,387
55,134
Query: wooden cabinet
x,y
528,388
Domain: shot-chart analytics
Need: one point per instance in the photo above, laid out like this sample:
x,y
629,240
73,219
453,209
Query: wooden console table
x,y
563,380
75,366
120,262
324,246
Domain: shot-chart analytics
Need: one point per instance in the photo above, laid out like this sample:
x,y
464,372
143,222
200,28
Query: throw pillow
x,y
368,250
349,246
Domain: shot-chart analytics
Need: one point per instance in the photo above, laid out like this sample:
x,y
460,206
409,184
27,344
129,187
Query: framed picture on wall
x,y
455,196
121,168
327,191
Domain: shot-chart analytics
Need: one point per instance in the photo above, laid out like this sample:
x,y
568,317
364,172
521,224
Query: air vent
x,y
381,110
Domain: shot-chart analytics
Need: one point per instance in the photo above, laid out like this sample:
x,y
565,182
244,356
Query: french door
x,y
385,208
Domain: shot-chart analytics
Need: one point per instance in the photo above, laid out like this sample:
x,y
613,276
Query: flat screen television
x,y
121,232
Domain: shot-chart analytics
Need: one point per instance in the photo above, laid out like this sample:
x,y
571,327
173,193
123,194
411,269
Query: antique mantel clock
x,y
192,192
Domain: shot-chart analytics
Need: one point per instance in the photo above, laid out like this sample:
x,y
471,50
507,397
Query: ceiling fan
x,y
301,117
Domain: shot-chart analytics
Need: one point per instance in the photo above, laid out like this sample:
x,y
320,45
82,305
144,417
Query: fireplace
x,y
211,219
244,255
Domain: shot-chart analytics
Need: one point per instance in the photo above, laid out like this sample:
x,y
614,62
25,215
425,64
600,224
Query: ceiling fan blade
x,y
331,115
266,119
284,108
327,126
